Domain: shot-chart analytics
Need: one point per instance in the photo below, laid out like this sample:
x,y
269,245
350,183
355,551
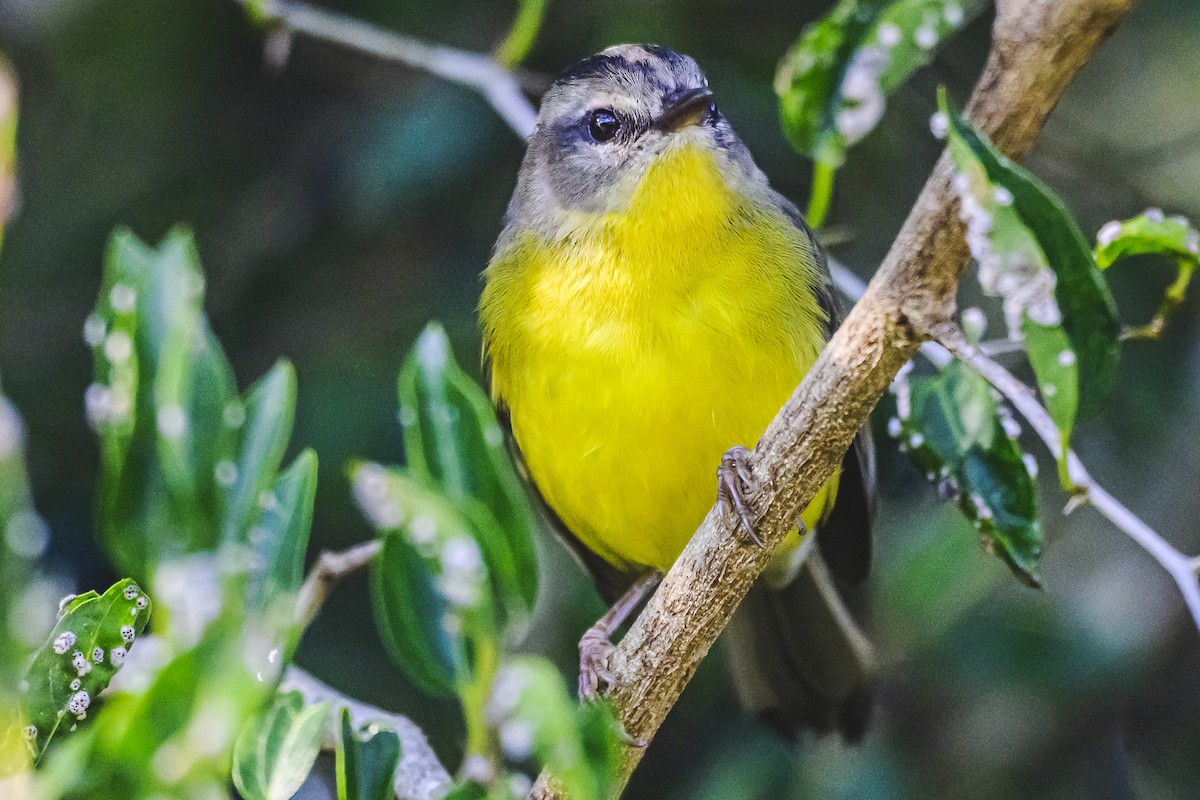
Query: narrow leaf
x,y
367,759
429,583
1032,253
268,411
964,443
453,441
276,750
279,538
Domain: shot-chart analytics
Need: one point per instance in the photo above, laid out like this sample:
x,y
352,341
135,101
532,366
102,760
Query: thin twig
x,y
331,567
1180,567
500,87
420,775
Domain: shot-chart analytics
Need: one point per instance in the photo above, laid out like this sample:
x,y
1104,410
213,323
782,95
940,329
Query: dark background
x,y
341,203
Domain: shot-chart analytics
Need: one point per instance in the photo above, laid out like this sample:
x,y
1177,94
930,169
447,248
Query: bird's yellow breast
x,y
635,347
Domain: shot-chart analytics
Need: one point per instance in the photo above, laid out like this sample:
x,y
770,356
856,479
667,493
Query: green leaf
x,y
1154,233
955,433
86,648
1018,229
429,584
367,759
453,442
268,411
175,737
24,541
279,538
157,403
833,83
276,750
536,718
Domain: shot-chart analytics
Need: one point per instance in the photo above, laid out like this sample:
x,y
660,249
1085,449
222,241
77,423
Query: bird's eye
x,y
603,124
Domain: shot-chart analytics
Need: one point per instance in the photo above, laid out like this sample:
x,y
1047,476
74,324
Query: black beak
x,y
685,108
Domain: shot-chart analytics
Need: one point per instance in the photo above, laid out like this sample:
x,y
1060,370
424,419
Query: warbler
x,y
649,306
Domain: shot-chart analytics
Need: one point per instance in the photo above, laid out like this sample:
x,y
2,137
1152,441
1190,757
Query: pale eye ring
x,y
603,124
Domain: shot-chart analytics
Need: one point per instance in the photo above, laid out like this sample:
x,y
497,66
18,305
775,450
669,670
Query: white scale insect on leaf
x,y
64,642
862,95
118,347
172,421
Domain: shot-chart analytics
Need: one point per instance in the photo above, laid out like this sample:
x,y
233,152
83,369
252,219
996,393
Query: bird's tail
x,y
798,658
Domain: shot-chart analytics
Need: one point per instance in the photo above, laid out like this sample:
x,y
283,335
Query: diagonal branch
x,y
1038,46
499,86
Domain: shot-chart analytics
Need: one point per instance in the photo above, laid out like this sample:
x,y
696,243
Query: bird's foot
x,y
594,650
733,482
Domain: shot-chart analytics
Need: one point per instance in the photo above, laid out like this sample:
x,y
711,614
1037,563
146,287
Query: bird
x,y
650,304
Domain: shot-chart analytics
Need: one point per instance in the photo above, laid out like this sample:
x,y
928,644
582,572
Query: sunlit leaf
x,y
86,648
955,433
276,750
452,440
536,720
1032,253
367,759
430,583
833,83
1152,232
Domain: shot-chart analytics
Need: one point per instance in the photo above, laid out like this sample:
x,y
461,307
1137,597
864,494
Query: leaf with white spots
x,y
275,750
430,585
536,721
965,443
161,385
85,650
1033,255
1152,232
834,82
453,441
367,759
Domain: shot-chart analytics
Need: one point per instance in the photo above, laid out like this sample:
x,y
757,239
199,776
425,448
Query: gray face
x,y
604,121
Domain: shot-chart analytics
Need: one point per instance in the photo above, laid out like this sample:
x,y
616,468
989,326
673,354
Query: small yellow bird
x,y
650,305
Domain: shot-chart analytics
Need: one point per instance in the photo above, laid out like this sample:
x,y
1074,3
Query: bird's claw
x,y
733,481
594,675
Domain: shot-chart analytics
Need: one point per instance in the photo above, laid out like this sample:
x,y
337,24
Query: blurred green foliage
x,y
341,203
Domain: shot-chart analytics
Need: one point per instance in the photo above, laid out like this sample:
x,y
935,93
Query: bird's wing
x,y
845,534
610,581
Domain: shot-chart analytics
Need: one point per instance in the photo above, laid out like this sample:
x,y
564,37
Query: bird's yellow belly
x,y
626,453
636,348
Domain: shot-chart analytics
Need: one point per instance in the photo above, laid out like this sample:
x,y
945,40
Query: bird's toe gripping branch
x,y
733,483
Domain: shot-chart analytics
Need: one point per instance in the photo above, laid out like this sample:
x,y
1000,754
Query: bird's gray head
x,y
604,122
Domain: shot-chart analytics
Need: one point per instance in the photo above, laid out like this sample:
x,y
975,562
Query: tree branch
x,y
1038,46
499,86
420,775
330,569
